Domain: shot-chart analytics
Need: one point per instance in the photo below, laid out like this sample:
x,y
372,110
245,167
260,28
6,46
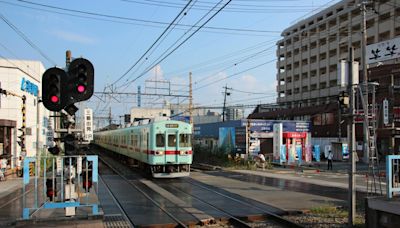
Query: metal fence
x,y
65,182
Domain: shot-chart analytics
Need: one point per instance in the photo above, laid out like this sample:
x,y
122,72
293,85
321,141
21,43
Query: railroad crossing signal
x,y
69,144
81,80
61,89
53,89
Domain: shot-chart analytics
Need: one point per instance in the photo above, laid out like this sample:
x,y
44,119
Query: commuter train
x,y
163,148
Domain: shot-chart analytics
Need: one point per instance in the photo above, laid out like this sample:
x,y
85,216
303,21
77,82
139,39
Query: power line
x,y
241,9
195,25
184,41
26,39
154,43
145,22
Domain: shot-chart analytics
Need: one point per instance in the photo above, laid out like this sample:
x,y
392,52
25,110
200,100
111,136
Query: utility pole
x,y
109,118
363,8
226,93
351,140
190,100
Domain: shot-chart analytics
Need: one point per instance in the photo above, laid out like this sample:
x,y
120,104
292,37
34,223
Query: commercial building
x,y
22,78
307,70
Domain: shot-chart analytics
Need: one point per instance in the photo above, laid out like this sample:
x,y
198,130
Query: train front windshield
x,y
185,140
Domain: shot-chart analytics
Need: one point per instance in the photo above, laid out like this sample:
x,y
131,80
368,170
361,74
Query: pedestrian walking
x,y
3,168
330,158
260,160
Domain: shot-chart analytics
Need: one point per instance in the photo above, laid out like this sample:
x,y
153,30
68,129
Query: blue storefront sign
x,y
29,87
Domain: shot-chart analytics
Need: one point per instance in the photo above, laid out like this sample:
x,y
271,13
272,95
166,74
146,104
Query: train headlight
x,y
184,152
159,152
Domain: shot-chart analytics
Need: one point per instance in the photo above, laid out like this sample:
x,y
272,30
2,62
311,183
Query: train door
x,y
171,150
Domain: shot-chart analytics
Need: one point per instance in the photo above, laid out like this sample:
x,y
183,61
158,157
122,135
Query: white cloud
x,y
73,37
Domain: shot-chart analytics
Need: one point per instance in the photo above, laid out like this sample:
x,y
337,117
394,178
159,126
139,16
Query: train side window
x,y
171,140
185,140
160,140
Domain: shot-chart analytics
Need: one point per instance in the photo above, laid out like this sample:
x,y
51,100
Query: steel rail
x,y
117,202
275,217
180,223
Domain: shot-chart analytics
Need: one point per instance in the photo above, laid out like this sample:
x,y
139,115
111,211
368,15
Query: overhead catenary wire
x,y
153,44
184,41
182,36
158,24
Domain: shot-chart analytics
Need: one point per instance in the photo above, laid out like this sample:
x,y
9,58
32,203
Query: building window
x,y
304,88
332,53
356,28
322,85
288,92
322,41
343,49
313,45
296,77
304,62
289,79
296,51
355,12
296,90
322,56
289,54
370,23
313,59
304,75
332,83
313,73
304,48
384,17
384,36
343,18
313,87
357,44
322,70
370,40
329,14
332,68
332,22
296,64
332,38
322,27
397,31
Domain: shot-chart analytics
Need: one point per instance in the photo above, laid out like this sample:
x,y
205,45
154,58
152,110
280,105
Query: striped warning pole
x,y
23,128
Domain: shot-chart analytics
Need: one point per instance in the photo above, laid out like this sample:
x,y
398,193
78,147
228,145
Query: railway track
x,y
193,210
134,222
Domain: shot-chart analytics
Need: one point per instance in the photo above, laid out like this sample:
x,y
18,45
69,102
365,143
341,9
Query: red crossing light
x,y
81,88
54,99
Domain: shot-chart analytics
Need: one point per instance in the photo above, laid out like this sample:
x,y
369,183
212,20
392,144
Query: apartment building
x,y
307,71
310,50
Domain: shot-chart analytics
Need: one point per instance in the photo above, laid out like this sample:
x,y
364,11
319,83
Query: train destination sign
x,y
171,125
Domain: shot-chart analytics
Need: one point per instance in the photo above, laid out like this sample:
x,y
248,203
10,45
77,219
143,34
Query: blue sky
x,y
242,37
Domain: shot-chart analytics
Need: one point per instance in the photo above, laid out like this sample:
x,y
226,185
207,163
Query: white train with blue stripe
x,y
163,148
